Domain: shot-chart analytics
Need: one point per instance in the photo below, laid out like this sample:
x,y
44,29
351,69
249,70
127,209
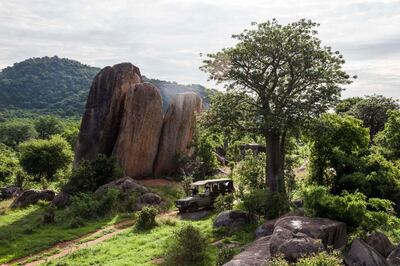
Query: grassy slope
x,y
144,248
22,231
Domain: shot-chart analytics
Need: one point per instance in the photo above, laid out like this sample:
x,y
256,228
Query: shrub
x,y
224,255
186,182
354,209
250,172
168,221
49,214
320,259
188,247
146,218
224,202
263,202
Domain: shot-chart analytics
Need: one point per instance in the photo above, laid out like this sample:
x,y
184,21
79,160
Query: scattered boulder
x,y
177,132
394,257
125,185
102,118
380,243
148,199
31,196
61,200
293,245
266,229
332,233
232,219
361,254
140,129
255,254
194,216
10,192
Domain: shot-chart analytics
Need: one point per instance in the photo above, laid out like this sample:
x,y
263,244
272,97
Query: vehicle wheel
x,y
192,207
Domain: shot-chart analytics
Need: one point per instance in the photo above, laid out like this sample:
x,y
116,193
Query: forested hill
x,y
53,85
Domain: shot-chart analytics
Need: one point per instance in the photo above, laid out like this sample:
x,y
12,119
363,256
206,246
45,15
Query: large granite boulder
x,y
265,229
139,134
255,254
31,196
148,199
330,232
380,243
61,200
293,245
232,219
101,121
394,257
361,254
124,185
177,132
10,192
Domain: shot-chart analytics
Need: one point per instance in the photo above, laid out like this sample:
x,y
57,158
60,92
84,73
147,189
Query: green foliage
x,y
354,209
263,202
71,132
224,255
43,158
337,143
14,132
224,202
345,106
388,140
146,218
188,248
250,172
9,164
186,182
320,259
47,126
89,176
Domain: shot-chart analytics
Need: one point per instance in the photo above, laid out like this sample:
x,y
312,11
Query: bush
x,y
188,247
263,202
320,259
224,202
224,255
89,176
186,182
354,209
146,218
250,172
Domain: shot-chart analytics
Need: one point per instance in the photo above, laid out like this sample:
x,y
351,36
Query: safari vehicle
x,y
203,193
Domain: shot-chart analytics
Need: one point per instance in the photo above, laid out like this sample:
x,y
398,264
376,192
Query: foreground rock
x,y
61,200
177,132
124,185
194,216
394,257
380,243
101,120
330,232
232,219
255,254
293,245
140,129
361,254
10,192
148,199
266,229
31,196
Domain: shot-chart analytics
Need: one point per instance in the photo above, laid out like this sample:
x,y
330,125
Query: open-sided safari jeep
x,y
203,193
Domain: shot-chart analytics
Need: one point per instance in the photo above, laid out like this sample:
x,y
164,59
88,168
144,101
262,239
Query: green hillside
x,y
53,85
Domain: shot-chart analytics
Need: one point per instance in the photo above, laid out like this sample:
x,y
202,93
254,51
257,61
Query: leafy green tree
x,y
9,163
389,138
338,142
71,132
346,105
13,132
277,78
44,158
47,126
373,111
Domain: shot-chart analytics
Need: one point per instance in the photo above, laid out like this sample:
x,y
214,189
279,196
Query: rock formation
x,y
177,132
104,106
140,129
361,253
31,196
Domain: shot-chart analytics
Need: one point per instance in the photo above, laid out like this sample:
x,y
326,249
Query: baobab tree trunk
x,y
275,161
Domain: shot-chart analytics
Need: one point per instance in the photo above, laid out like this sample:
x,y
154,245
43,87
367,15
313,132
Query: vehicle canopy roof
x,y
209,181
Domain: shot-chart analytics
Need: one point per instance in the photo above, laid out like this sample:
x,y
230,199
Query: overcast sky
x,y
165,37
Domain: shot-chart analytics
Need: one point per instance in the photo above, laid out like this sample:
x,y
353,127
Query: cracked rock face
x,y
102,117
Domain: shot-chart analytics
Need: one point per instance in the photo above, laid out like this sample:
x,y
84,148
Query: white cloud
x,y
165,37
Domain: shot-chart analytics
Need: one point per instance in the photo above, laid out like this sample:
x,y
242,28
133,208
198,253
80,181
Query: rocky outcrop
x,y
31,196
177,132
265,229
140,129
394,257
330,232
101,120
361,254
293,245
10,192
124,185
232,219
61,200
380,243
255,254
